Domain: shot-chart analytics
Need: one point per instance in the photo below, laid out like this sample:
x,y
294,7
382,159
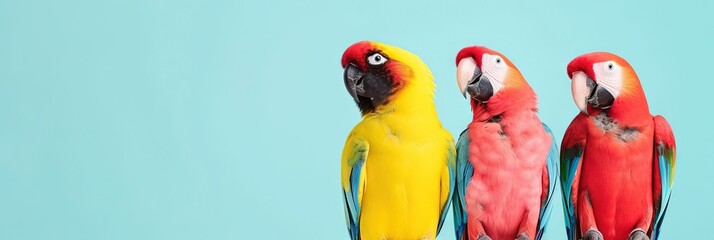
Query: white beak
x,y
580,91
464,73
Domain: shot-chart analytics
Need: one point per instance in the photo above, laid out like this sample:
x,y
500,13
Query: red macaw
x,y
506,164
617,160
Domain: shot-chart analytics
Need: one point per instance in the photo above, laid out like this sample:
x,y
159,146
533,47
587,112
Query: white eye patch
x,y
494,67
609,76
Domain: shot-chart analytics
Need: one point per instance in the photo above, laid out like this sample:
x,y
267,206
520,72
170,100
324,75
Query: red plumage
x,y
616,184
508,150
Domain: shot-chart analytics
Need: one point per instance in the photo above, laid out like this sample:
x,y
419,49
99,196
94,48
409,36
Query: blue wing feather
x,y
451,163
553,169
351,197
665,158
666,165
570,162
464,172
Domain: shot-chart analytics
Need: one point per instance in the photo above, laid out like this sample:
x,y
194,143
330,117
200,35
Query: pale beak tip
x,y
464,71
580,91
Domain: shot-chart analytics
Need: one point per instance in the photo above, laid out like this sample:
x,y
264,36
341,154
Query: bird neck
x,y
505,102
416,97
629,110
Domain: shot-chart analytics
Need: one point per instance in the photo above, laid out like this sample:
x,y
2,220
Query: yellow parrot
x,y
398,162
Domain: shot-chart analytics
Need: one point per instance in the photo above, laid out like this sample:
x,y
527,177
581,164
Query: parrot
x,y
506,164
617,160
398,162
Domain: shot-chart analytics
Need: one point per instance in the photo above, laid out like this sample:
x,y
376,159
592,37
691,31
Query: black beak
x,y
599,96
479,87
353,80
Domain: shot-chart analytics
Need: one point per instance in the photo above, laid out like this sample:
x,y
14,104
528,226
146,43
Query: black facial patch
x,y
378,86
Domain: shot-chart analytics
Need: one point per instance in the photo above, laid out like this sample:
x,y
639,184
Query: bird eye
x,y
610,66
498,60
376,59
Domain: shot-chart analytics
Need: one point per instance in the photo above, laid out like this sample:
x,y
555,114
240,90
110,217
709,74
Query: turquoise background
x,y
225,120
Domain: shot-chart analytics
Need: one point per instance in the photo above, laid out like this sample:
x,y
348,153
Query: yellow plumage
x,y
404,182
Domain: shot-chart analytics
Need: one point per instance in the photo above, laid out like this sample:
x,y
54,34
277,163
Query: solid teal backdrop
x,y
225,119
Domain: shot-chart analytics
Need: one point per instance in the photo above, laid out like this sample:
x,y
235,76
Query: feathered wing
x,y
448,183
552,175
571,157
464,171
664,165
354,156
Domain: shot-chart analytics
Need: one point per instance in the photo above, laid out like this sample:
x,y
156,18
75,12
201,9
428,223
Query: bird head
x,y
603,81
484,73
493,83
375,73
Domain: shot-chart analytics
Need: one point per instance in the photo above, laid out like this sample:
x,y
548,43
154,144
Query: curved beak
x,y
471,80
580,90
353,80
464,72
587,92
